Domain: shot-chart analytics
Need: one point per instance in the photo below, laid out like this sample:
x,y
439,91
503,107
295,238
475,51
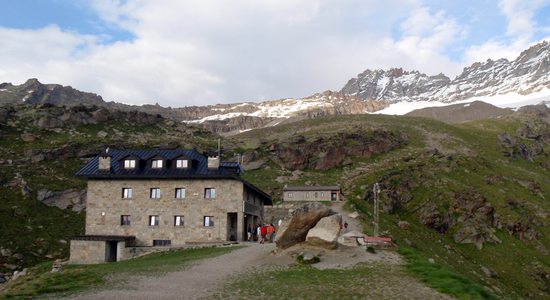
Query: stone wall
x,y
87,252
105,206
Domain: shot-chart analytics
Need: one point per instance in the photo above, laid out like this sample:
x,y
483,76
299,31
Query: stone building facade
x,y
164,198
312,193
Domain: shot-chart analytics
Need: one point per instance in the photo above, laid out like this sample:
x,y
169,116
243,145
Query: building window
x,y
289,194
209,193
315,195
154,220
333,196
125,220
208,221
155,193
180,193
178,220
307,194
322,194
156,164
181,163
129,163
126,193
162,243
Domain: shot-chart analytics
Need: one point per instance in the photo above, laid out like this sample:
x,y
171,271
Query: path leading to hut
x,y
197,281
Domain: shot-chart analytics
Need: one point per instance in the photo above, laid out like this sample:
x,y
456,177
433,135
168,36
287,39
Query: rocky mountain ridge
x,y
370,91
528,73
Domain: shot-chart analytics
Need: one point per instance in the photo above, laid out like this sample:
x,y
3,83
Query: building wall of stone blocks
x,y
105,206
87,252
310,195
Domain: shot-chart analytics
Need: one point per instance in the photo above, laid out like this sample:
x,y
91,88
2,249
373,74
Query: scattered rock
x,y
325,233
18,274
301,221
28,137
102,134
57,266
404,225
488,272
408,242
2,278
5,252
9,266
18,256
431,260
307,256
353,215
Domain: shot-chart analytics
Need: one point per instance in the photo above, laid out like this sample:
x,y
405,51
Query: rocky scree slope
x,y
41,147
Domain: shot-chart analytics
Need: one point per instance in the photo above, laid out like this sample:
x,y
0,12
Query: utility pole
x,y
376,191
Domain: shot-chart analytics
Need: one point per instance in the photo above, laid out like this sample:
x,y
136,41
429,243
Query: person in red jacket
x,y
263,232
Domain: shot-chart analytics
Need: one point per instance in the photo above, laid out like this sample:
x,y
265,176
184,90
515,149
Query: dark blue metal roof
x,y
198,165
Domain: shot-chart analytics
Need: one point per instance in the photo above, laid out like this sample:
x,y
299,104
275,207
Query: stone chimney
x,y
104,164
213,161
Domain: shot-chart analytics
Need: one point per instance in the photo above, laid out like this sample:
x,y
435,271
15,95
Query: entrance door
x,y
110,251
232,226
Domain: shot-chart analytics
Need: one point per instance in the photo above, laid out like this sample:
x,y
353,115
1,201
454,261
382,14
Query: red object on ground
x,y
377,239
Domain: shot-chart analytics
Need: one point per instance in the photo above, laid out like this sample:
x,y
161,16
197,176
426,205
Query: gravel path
x,y
197,281
203,278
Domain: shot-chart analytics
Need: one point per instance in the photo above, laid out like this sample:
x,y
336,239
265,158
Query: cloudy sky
x,y
178,53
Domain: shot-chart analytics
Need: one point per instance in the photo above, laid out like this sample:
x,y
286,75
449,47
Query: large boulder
x,y
296,226
72,198
325,233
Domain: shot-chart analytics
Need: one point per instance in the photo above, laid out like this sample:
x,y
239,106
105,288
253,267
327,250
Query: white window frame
x,y
154,193
127,193
179,221
156,163
180,193
182,163
208,221
289,194
209,193
129,164
154,220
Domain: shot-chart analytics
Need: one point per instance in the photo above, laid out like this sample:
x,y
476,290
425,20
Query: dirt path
x,y
197,281
353,224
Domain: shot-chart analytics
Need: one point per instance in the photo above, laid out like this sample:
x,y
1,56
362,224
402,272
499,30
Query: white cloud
x,y
520,29
202,52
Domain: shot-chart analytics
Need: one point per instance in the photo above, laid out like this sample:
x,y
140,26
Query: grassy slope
x,y
475,153
31,228
37,231
75,278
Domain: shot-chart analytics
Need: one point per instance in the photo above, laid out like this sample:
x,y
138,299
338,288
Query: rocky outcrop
x,y
72,198
325,233
296,226
34,92
323,153
475,220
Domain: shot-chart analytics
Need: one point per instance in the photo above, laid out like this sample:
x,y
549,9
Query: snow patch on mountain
x,y
511,100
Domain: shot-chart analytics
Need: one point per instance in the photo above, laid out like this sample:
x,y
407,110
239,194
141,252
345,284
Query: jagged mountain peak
x,y
529,72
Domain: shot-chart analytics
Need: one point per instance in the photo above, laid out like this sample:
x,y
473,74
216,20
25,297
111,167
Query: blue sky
x,y
182,52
